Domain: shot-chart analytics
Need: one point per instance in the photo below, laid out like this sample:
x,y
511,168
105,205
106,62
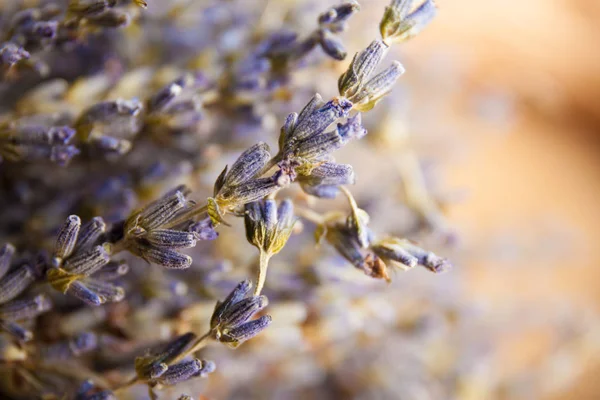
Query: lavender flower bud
x,y
352,129
360,69
181,372
404,252
230,320
6,253
79,290
375,89
166,257
391,251
268,228
171,239
83,343
90,233
248,164
16,330
88,262
107,110
249,191
339,14
239,334
42,135
74,347
288,128
19,310
398,25
345,242
158,213
323,181
152,366
316,117
106,290
331,45
166,95
15,283
112,271
242,311
67,237
236,295
204,230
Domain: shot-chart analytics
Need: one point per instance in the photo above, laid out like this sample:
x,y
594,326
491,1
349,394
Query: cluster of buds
x,y
306,145
401,21
284,48
13,282
110,126
357,83
230,322
23,142
164,367
77,262
268,228
352,238
176,107
331,22
147,232
242,183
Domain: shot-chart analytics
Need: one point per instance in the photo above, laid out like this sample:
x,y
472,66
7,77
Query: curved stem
x,y
199,344
309,215
132,382
262,272
349,196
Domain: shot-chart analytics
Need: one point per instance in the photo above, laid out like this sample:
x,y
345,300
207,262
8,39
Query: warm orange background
x,y
536,179
519,84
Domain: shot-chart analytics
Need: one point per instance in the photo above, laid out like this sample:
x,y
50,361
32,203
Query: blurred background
x,y
519,86
487,151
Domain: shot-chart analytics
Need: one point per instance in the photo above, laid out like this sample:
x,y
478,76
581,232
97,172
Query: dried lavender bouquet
x,y
94,93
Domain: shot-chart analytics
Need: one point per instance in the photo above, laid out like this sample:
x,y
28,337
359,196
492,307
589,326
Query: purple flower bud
x,y
89,261
16,282
204,230
67,237
6,253
19,310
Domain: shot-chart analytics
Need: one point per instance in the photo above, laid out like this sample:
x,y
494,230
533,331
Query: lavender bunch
x,y
143,163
